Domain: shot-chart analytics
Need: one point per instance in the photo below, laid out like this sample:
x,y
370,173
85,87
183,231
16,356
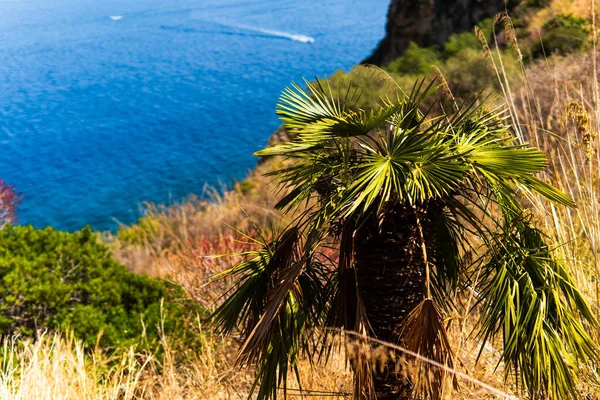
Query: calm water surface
x,y
107,104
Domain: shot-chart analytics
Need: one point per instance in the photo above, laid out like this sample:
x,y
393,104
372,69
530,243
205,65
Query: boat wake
x,y
271,33
285,35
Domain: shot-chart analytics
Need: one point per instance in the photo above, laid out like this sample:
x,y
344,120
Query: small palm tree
x,y
420,205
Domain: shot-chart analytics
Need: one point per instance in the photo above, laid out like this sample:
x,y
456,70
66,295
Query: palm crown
x,y
419,206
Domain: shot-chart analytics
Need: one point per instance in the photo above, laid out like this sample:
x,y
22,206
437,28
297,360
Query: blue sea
x,y
107,104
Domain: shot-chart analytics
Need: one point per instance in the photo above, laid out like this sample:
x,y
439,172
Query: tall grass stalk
x,y
557,109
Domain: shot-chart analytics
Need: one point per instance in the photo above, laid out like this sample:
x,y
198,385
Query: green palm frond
x,y
318,115
282,334
450,243
277,300
533,304
321,109
531,185
319,134
245,301
321,173
411,114
507,161
299,107
407,166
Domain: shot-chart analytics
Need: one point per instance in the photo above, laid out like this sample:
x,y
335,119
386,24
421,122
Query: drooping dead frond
x,y
347,309
424,333
347,312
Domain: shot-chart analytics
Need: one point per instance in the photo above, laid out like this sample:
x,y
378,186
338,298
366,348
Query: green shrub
x,y
460,41
564,34
416,60
567,21
244,187
461,62
564,41
68,281
467,40
469,72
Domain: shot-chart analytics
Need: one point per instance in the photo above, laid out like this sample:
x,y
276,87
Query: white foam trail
x,y
291,36
116,17
285,35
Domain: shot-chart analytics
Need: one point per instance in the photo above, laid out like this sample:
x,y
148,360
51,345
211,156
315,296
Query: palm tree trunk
x,y
391,278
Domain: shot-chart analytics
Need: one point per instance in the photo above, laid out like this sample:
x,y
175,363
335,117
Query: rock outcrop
x,y
430,22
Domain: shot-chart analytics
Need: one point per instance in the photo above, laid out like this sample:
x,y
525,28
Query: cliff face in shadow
x,y
430,22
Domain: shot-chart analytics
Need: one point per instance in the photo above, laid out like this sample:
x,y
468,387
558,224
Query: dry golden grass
x,y
58,367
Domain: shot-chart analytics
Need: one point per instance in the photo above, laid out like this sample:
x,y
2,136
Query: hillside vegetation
x,y
77,325
551,115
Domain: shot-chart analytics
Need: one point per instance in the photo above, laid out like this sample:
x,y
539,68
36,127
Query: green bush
x,y
468,72
460,41
244,187
564,34
468,40
461,61
416,60
564,41
68,281
567,21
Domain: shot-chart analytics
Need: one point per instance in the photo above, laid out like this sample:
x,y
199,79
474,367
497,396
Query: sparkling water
x,y
107,104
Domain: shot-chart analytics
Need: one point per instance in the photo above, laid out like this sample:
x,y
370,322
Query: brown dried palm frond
x,y
347,312
424,333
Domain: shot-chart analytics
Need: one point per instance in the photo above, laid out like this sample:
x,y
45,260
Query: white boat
x,y
116,17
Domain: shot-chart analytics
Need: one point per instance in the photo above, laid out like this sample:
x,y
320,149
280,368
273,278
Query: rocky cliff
x,y
430,22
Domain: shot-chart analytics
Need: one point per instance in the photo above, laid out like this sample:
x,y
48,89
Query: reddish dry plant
x,y
193,266
9,200
197,261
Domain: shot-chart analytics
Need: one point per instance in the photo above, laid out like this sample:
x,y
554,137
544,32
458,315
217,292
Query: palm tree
x,y
420,205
